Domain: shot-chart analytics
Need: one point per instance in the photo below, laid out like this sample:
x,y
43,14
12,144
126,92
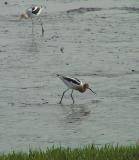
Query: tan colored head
x,y
86,86
23,16
83,87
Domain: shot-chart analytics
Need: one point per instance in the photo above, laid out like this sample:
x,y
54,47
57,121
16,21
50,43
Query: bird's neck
x,y
82,88
23,16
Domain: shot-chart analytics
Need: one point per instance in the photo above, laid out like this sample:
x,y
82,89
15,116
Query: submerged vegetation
x,y
90,152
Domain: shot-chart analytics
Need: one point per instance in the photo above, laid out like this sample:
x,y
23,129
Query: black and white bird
x,y
32,12
73,84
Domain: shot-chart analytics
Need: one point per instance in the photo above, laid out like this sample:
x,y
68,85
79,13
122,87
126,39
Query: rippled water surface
x,y
95,41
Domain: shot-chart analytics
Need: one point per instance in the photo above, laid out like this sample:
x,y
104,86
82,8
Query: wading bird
x,y
31,13
73,84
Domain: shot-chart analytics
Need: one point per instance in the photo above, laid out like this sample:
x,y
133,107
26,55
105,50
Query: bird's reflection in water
x,y
75,113
33,46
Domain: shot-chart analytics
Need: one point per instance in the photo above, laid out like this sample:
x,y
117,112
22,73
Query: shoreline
x,y
107,152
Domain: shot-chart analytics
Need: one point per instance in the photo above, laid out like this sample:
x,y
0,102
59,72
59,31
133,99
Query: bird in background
x,y
31,13
73,84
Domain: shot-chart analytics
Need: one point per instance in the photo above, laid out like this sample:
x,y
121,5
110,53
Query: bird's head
x,y
23,16
86,86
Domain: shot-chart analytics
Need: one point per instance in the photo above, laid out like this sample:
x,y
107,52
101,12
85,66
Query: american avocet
x,y
73,84
31,13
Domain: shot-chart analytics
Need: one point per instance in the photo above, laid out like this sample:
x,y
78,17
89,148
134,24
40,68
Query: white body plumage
x,y
71,83
74,84
31,13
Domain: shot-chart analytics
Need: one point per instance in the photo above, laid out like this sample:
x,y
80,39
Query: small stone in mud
x,y
103,17
5,2
6,31
45,102
62,49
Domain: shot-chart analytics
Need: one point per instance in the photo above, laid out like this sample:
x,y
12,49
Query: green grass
x,y
85,153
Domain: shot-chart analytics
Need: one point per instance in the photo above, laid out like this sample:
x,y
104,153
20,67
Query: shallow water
x,y
100,46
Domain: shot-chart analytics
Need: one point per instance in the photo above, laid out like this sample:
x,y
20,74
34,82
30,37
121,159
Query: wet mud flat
x,y
94,42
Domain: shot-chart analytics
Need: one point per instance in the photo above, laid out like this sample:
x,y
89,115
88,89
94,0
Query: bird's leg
x,y
45,3
63,95
72,96
41,26
32,26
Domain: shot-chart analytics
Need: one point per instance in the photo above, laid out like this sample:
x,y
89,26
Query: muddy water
x,y
100,45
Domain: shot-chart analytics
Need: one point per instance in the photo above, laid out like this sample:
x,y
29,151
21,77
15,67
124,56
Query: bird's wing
x,y
70,82
35,10
73,80
78,80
